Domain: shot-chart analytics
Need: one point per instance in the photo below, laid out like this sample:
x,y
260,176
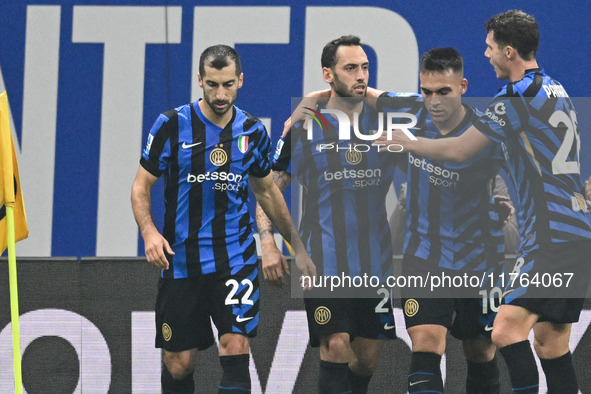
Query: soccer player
x,y
501,193
534,120
344,224
208,152
451,229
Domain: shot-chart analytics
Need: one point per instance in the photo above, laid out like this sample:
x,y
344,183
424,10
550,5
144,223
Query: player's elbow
x,y
136,192
264,196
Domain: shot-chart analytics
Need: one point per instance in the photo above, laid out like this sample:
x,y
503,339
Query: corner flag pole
x,y
8,198
14,312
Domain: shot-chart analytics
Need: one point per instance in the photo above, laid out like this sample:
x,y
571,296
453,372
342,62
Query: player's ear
x,y
463,86
240,80
200,80
327,74
510,52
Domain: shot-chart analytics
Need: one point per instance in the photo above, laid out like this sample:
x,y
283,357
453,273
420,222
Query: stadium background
x,y
85,82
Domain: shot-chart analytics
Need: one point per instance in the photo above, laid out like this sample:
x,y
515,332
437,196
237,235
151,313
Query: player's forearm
x,y
142,210
264,224
373,92
319,93
276,213
444,149
455,149
275,208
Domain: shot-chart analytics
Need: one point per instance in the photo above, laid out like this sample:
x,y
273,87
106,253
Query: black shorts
x,y
465,317
554,310
422,278
371,318
552,281
184,308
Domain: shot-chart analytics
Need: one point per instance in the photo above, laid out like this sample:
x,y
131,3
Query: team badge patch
x,y
243,143
322,315
218,157
166,332
353,157
411,307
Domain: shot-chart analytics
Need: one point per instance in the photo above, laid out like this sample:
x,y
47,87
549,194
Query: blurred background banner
x,y
86,82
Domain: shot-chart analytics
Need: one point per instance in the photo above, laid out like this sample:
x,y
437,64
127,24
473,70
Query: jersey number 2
x,y
380,308
560,163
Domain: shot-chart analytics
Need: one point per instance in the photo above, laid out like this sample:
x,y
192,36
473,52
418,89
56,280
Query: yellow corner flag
x,y
10,191
13,227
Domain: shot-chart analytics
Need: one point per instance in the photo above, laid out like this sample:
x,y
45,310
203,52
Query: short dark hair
x,y
442,59
517,29
329,52
218,57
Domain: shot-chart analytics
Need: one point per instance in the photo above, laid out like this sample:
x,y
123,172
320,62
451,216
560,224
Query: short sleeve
x,y
156,154
261,167
282,156
505,116
401,102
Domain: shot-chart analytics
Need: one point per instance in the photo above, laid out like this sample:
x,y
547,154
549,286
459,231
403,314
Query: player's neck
x,y
452,123
518,72
345,104
218,120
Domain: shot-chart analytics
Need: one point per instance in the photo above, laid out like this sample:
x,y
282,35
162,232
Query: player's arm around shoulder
x,y
155,244
453,149
273,204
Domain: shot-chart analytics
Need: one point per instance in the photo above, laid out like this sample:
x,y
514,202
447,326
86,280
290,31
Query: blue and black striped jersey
x,y
536,124
450,212
206,171
344,223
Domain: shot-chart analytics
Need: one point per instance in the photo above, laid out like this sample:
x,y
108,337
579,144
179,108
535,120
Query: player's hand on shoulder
x,y
588,191
155,246
319,94
504,208
286,127
308,104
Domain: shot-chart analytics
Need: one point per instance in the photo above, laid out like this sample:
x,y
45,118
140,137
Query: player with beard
x,y
343,225
452,228
534,120
209,153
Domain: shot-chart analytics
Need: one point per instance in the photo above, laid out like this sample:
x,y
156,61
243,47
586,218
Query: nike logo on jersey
x,y
507,292
388,327
420,381
241,319
488,328
187,146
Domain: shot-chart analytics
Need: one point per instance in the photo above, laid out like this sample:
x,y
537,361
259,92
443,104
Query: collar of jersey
x,y
204,119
